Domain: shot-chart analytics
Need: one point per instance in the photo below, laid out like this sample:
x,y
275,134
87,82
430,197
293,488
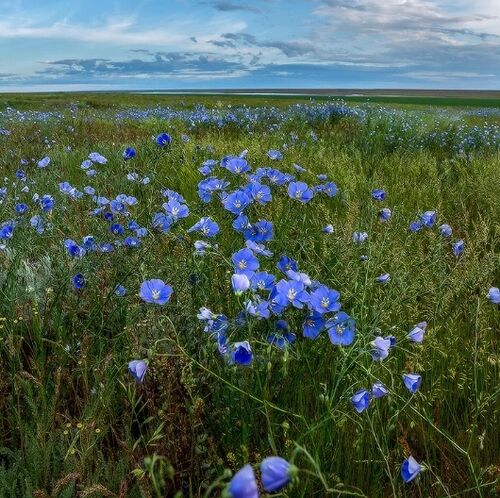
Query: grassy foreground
x,y
73,422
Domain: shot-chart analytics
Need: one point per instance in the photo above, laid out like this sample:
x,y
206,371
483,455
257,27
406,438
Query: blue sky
x,y
178,44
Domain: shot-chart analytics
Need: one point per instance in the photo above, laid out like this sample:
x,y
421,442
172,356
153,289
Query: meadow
x,y
190,285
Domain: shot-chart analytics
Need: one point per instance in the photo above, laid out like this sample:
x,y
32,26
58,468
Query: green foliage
x,y
74,423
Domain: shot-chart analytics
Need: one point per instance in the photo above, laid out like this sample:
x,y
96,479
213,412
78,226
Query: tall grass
x,y
74,423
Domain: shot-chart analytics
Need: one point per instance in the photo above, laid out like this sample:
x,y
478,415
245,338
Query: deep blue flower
x,y
244,261
116,229
285,264
412,382
276,473
341,329
313,325
243,484
120,290
324,300
138,369
410,469
494,295
378,194
47,202
128,153
7,230
242,353
415,226
78,281
155,291
445,230
257,308
300,191
379,390
262,231
74,250
361,400
163,139
458,247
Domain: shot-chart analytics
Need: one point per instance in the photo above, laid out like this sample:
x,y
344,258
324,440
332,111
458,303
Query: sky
x,y
49,45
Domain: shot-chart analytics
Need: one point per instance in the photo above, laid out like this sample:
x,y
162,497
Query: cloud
x,y
226,6
157,65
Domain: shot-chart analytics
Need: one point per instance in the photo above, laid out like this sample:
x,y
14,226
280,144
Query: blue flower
x,y
162,222
78,281
300,191
206,226
262,281
458,247
163,139
73,248
494,295
120,290
313,325
243,484
240,283
237,165
131,242
328,228
379,390
380,348
276,473
293,292
384,278
21,208
361,400
236,202
155,291
285,264
261,193
384,214
7,230
97,158
175,209
428,219
415,226
410,469
242,353
43,163
138,370
378,194
416,334
412,382
47,203
359,237
324,300
128,153
116,229
275,155
341,329
244,261
37,223
445,230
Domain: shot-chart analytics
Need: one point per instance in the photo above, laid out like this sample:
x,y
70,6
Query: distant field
x,y
327,295
255,98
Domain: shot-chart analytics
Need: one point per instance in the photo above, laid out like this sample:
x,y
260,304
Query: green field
x,y
75,423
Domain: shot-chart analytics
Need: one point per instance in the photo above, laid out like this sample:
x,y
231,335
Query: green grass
x,y
74,423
